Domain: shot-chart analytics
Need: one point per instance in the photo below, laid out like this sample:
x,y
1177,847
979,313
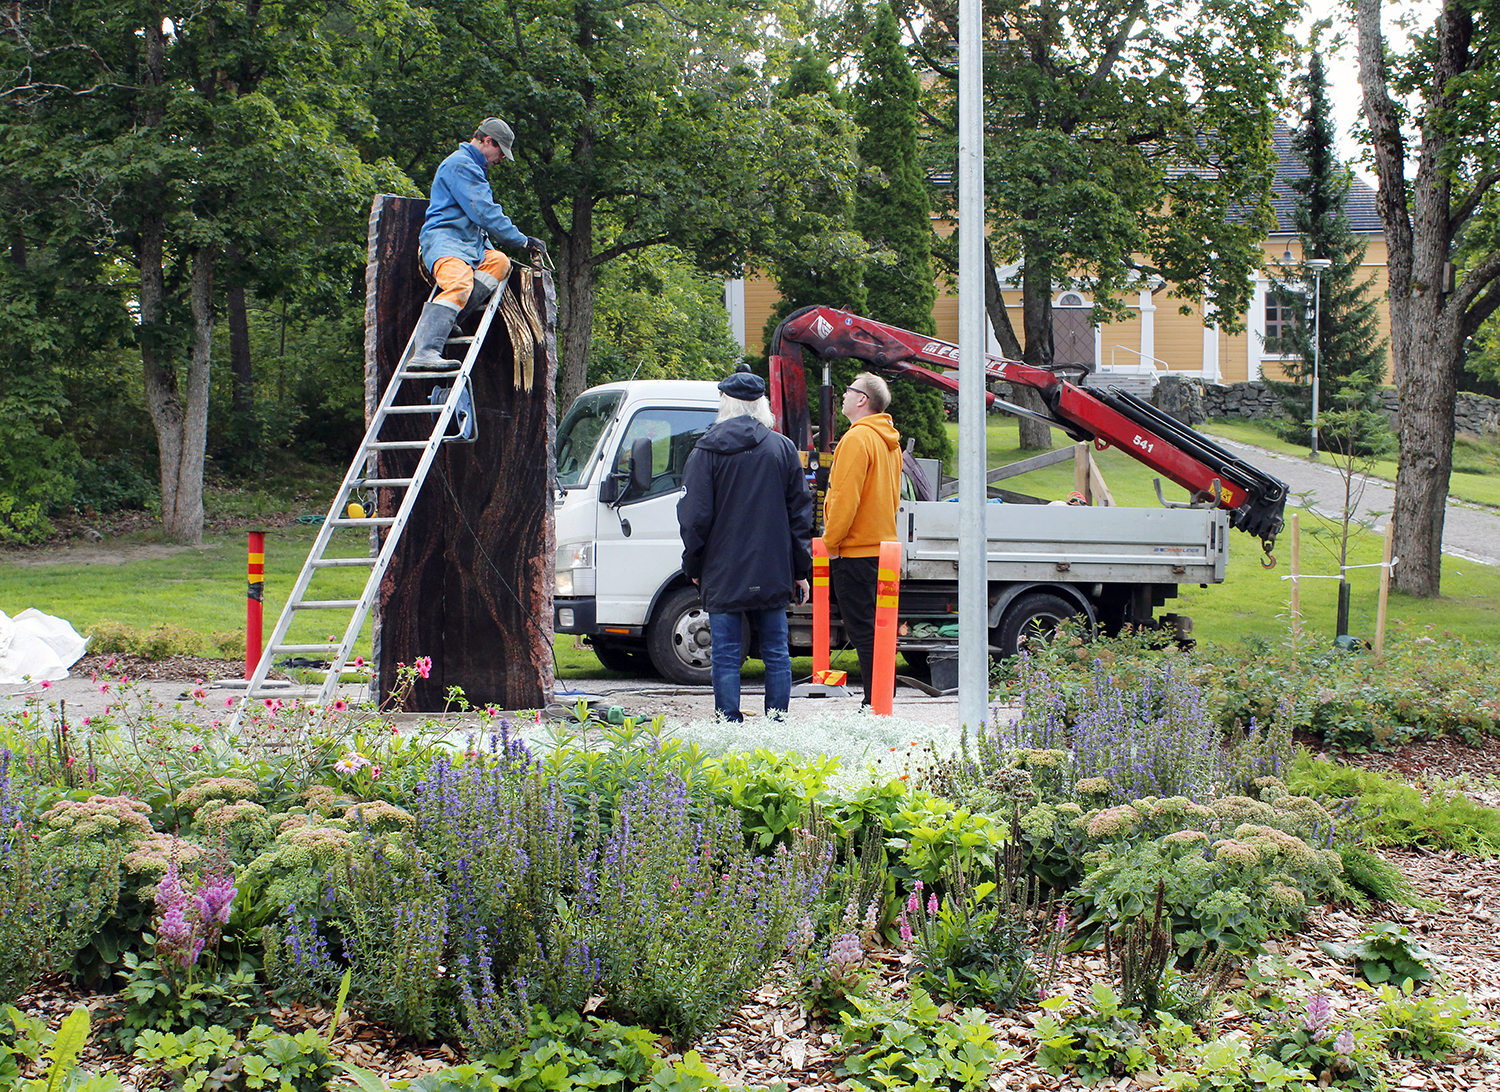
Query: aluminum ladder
x,y
358,477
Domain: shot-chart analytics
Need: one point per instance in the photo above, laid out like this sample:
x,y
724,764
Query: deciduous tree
x,y
1121,141
1436,106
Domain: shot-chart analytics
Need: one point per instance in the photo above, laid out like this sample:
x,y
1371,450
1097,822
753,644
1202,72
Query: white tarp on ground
x,y
37,646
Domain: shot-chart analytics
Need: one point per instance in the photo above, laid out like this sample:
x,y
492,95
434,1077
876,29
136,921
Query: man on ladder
x,y
461,212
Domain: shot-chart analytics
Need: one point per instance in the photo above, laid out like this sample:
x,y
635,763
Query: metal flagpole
x,y
973,597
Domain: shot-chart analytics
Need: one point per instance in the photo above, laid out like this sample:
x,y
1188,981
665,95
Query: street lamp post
x,y
1317,265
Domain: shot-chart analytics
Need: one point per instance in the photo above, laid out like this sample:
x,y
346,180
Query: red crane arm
x,y
1110,418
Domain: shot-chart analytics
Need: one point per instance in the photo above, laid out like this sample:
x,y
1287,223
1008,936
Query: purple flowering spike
x,y
1344,1044
1319,1012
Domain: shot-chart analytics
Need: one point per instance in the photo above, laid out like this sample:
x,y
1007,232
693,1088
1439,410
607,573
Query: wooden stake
x,y
1385,586
1082,459
1296,573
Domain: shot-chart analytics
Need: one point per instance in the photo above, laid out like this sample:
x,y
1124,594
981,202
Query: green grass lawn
x,y
202,589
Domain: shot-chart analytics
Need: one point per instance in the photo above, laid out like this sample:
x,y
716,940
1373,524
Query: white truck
x,y
622,447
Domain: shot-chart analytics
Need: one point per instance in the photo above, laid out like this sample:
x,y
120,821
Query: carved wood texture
x,y
471,581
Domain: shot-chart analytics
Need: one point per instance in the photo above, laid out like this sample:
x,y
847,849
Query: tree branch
x,y
1477,294
1461,214
1113,50
1387,143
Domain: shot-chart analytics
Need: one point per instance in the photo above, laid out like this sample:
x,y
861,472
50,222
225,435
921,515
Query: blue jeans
x,y
729,633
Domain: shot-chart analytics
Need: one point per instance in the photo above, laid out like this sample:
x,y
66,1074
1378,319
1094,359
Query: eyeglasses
x,y
856,390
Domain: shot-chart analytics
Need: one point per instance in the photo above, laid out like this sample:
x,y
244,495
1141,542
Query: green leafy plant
x,y
156,998
1386,952
772,792
1097,1041
1230,1065
1341,1053
1430,1025
896,1045
27,1039
1392,813
212,1059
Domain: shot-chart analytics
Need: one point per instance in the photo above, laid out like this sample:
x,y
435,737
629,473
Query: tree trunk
x,y
1036,318
179,410
1427,320
242,397
577,275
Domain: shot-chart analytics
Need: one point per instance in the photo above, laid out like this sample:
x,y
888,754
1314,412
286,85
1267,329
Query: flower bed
x,y
1104,876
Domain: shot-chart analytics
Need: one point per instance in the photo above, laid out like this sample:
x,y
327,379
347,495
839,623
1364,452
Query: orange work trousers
x,y
456,277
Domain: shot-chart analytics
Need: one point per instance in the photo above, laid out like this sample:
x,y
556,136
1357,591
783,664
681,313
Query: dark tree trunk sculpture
x,y
471,581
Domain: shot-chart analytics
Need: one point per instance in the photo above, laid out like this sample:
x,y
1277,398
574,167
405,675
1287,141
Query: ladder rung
x,y
368,521
423,373
465,340
326,604
275,649
342,562
396,445
362,482
423,408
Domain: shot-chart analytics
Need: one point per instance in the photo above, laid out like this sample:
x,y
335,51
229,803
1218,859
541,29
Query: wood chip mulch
x,y
773,1038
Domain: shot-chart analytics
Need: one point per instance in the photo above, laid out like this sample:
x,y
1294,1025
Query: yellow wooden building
x,y
1156,335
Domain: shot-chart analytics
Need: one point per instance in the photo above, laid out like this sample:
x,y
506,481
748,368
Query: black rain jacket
x,y
746,517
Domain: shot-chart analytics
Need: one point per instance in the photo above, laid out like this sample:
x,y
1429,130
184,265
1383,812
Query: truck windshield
x,y
578,435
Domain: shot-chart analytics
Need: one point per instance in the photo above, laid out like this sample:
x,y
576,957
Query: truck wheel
x,y
616,658
679,642
1032,620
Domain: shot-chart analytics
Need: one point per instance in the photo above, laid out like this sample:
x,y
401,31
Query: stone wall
x,y
1193,401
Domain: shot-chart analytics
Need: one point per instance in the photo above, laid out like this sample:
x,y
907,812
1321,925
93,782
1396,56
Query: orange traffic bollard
x,y
887,596
820,609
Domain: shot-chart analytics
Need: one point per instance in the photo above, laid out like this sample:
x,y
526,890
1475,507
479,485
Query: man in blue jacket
x,y
461,212
746,522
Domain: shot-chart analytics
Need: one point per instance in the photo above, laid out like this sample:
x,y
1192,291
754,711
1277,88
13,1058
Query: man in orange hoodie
x,y
864,489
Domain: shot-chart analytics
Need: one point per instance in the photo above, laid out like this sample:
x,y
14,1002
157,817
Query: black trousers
x,y
854,582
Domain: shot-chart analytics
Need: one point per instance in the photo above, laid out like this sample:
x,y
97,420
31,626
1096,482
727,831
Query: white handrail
x,y
1154,360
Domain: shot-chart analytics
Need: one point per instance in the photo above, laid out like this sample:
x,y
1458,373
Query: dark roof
x,y
1359,203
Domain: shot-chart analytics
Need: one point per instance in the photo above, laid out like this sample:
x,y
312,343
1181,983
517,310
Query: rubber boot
x,y
432,331
484,285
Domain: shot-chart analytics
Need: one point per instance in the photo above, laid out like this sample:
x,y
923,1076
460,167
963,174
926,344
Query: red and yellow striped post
x,y
887,597
255,578
819,609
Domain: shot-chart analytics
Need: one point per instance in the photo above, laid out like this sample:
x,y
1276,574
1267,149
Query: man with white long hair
x,y
746,521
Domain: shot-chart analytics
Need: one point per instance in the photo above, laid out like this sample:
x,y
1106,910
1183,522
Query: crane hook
x,y
1268,544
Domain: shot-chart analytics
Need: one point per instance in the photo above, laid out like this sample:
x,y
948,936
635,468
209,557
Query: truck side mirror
x,y
640,465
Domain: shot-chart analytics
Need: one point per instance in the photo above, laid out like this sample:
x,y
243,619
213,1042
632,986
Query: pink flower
x,y
932,903
913,903
87,721
228,702
905,928
200,693
104,688
195,748
359,661
270,703
339,705
424,666
110,665
375,772
46,684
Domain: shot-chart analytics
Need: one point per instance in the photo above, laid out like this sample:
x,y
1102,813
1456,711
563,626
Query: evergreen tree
x,y
893,211
1350,350
827,266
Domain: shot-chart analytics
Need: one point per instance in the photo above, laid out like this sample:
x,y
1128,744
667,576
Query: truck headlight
x,y
575,569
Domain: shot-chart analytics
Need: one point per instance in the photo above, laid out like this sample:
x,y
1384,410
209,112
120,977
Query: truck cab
x,y
621,451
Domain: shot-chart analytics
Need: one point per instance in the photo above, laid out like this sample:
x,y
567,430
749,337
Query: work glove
x,y
533,243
